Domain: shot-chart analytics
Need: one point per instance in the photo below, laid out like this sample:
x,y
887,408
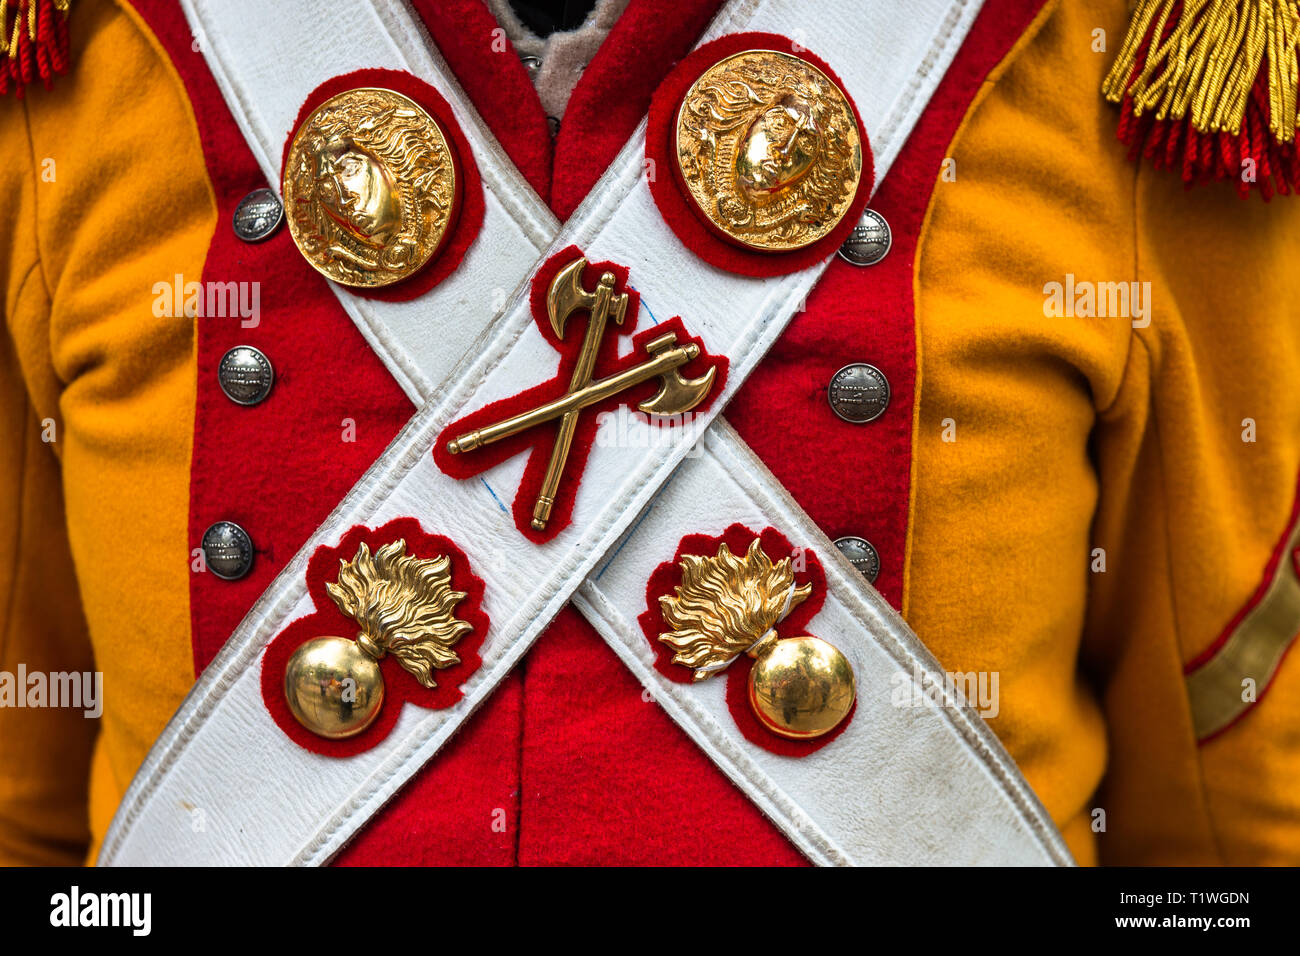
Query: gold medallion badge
x,y
769,149
405,606
799,687
369,187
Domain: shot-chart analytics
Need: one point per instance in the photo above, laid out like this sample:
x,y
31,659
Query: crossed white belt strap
x,y
899,785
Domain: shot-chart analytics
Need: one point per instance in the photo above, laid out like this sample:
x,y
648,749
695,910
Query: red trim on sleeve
x,y
1276,565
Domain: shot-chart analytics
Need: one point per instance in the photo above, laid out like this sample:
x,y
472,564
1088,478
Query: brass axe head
x,y
677,395
566,296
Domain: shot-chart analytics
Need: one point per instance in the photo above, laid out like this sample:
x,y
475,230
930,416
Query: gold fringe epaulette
x,y
33,42
1209,87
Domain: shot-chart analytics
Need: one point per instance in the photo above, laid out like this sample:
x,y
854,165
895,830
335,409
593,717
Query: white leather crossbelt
x,y
899,785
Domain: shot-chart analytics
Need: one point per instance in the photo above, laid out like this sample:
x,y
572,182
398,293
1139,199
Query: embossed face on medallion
x,y
779,147
404,606
369,187
356,190
769,150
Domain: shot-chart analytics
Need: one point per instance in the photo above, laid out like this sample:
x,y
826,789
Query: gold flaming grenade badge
x,y
405,606
799,687
369,187
769,150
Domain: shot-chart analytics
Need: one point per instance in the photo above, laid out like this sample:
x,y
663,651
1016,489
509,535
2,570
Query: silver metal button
x,y
245,375
858,393
861,554
531,62
258,215
869,241
227,550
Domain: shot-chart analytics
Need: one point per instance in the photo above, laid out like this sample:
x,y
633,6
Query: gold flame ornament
x,y
799,687
405,606
769,150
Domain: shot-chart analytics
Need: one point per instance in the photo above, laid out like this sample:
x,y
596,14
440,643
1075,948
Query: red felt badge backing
x,y
466,217
668,576
672,197
329,621
538,441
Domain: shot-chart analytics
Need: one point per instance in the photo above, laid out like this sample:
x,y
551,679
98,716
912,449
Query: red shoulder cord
x,y
33,42
1209,89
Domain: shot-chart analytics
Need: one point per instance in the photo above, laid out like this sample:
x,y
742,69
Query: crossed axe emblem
x,y
676,394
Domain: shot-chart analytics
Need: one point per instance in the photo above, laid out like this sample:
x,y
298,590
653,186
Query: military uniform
x,y
1088,505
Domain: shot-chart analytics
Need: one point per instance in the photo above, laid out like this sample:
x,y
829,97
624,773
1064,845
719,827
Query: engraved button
x,y
858,393
245,375
861,554
227,550
258,215
869,241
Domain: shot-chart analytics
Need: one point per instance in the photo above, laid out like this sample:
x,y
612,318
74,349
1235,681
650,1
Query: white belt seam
x,y
907,101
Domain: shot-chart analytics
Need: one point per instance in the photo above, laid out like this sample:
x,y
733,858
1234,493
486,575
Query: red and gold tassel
x,y
33,42
1208,87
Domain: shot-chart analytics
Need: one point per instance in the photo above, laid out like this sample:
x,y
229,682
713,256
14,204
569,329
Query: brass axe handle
x,y
599,313
663,363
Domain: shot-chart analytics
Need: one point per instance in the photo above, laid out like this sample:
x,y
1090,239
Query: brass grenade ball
x,y
333,687
406,607
800,687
